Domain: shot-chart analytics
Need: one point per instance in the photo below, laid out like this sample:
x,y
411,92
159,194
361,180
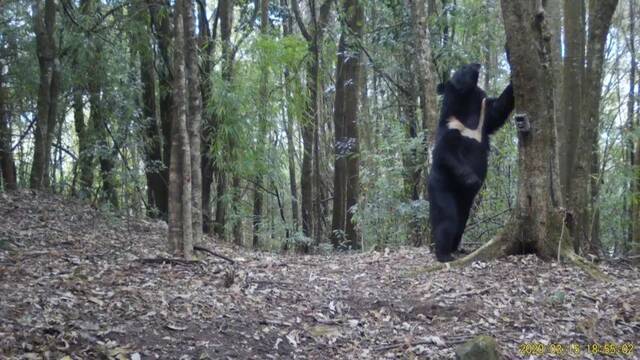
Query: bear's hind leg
x,y
444,223
464,208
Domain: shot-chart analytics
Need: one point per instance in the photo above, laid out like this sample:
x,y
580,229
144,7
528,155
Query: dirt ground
x,y
74,284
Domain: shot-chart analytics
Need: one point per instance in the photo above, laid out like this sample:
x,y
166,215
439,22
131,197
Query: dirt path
x,y
72,283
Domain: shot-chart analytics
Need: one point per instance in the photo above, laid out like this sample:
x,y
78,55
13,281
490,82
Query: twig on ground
x,y
210,252
162,260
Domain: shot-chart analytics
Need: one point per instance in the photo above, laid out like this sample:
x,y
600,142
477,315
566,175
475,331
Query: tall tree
x,y
225,11
7,165
162,29
262,127
309,174
587,174
156,183
632,125
44,19
287,29
426,80
347,147
180,193
194,116
572,76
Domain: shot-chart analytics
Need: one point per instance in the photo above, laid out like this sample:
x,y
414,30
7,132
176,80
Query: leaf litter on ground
x,y
73,285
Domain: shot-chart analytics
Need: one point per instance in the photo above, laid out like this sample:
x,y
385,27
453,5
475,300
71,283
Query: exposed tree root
x,y
583,264
507,243
499,246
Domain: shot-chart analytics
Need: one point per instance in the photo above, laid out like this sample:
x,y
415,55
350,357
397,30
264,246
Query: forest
x,y
276,179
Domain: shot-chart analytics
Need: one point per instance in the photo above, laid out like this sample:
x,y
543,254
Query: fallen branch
x,y
174,261
210,252
274,323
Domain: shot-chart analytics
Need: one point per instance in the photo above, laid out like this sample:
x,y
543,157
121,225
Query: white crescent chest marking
x,y
474,134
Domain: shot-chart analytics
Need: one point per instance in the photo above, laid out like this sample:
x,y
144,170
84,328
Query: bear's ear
x,y
440,89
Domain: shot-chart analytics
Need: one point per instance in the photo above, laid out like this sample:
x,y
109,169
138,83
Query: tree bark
x,y
44,17
347,147
262,128
180,191
426,77
569,125
210,126
163,32
309,175
408,103
156,184
225,10
287,27
194,117
7,165
633,240
587,189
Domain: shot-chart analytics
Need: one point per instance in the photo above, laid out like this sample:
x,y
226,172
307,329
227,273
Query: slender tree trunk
x,y
209,121
236,198
262,128
347,176
7,165
225,10
194,117
600,15
569,127
633,240
309,179
105,153
287,27
408,103
180,182
156,186
84,133
44,17
426,91
163,31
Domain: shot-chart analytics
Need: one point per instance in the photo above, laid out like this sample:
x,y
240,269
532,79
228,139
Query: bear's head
x,y
463,81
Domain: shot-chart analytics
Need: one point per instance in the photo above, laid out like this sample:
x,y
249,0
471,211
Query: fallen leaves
x,y
73,285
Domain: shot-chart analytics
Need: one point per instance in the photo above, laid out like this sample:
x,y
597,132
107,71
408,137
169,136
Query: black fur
x,y
459,164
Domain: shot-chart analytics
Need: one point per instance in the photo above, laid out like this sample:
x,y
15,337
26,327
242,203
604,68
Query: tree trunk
x,y
105,153
411,157
194,117
180,193
44,18
225,10
262,128
309,175
347,147
426,90
7,165
288,113
587,189
569,126
206,41
633,240
156,186
236,198
163,31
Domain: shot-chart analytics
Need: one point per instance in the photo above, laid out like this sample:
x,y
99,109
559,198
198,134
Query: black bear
x,y
460,156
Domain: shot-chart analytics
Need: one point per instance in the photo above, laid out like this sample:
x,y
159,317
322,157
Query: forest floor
x,y
74,285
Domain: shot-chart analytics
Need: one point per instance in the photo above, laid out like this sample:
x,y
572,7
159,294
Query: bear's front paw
x,y
472,181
